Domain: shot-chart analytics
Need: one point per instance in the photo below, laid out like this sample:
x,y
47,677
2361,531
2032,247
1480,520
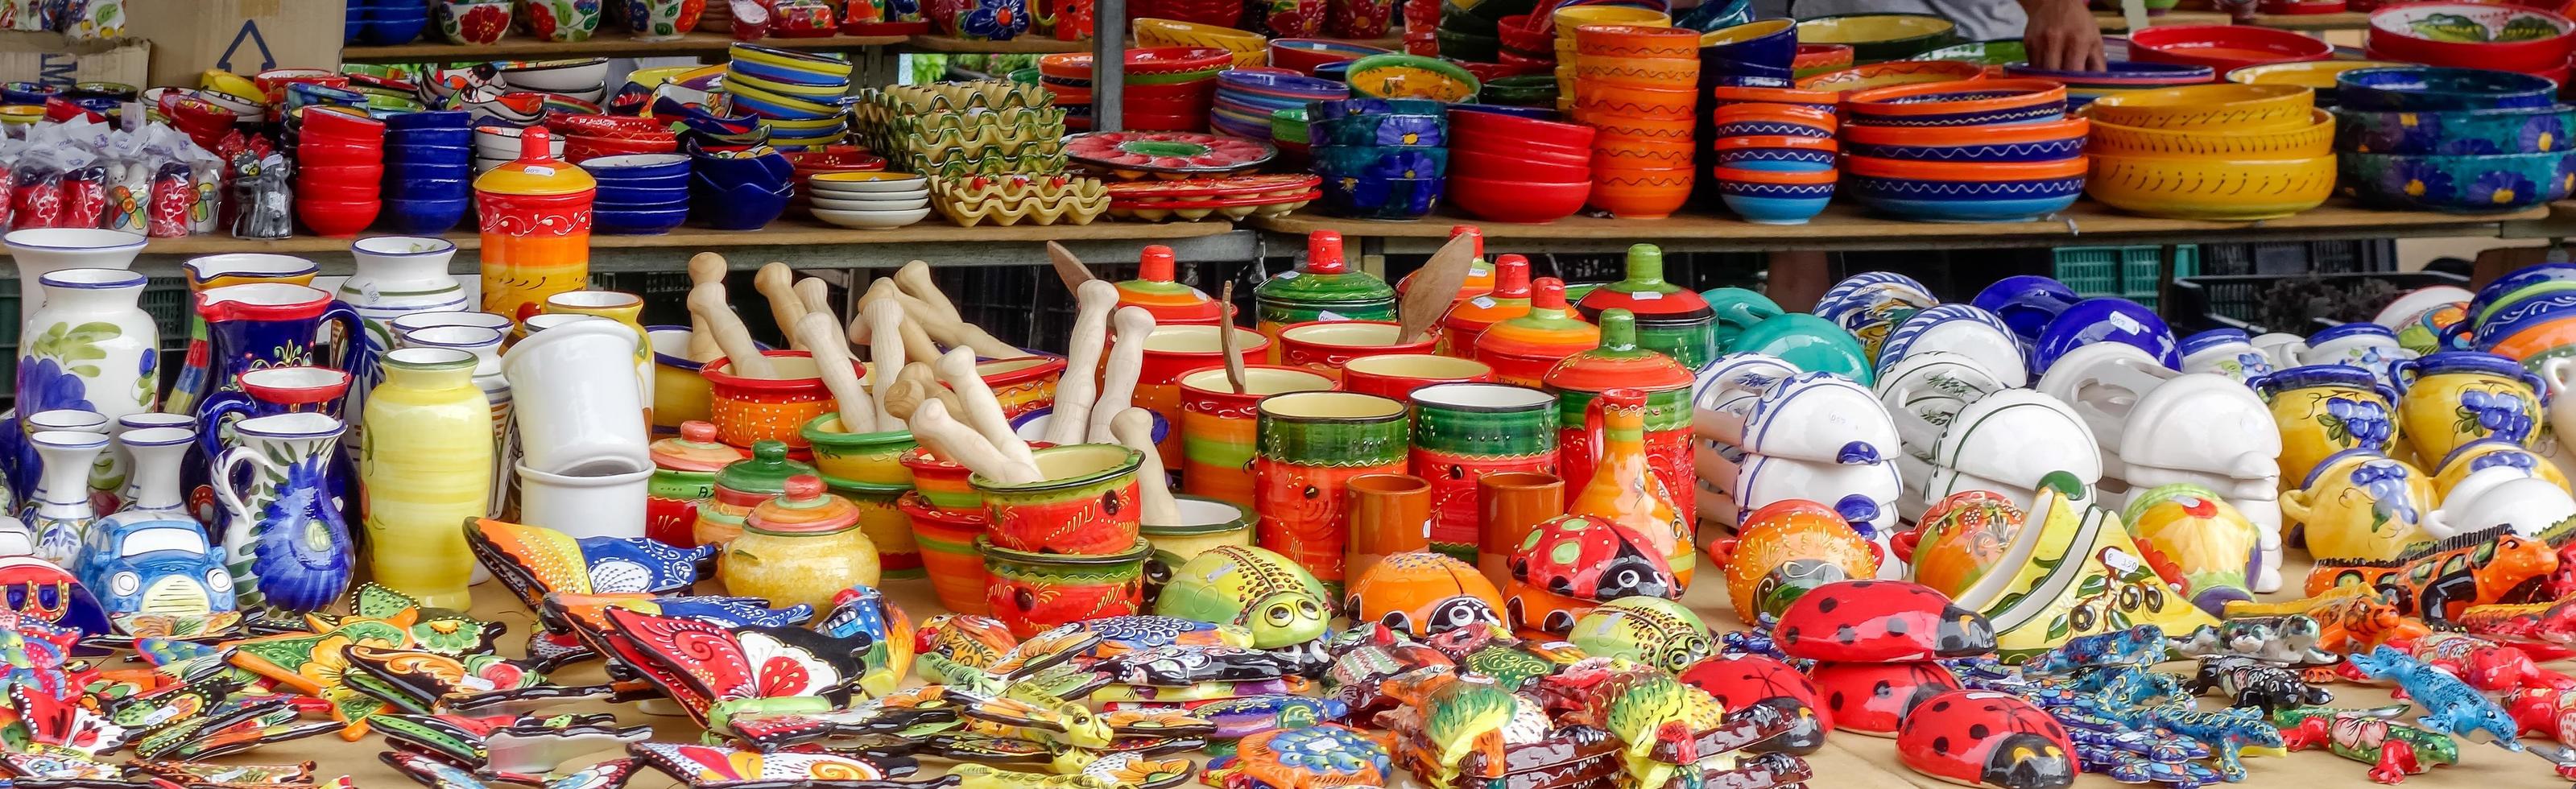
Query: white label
x,y
539,169
1329,315
1482,301
1646,295
2126,323
1286,275
2119,560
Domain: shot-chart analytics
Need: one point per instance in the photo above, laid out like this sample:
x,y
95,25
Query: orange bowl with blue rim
x,y
1963,103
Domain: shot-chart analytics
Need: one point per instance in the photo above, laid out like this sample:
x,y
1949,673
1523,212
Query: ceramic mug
x,y
2452,398
1466,431
1326,346
950,552
1509,504
1310,445
1034,592
1084,503
873,459
663,20
559,21
1205,524
1218,426
1173,350
2225,351
2325,409
2360,505
1396,375
1390,514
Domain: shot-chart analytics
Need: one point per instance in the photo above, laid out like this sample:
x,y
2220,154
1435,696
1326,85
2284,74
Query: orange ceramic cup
x,y
1173,350
1325,346
1509,504
1387,513
948,552
1641,194
1637,41
1218,426
1394,376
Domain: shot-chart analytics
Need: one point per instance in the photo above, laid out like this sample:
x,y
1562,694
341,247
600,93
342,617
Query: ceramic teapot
x,y
2360,505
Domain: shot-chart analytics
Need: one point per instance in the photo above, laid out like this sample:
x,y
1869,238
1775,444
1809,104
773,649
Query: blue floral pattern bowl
x,y
2424,88
1364,196
2460,184
1391,129
2458,132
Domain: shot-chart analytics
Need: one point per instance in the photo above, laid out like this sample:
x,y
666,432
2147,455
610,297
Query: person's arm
x,y
2062,35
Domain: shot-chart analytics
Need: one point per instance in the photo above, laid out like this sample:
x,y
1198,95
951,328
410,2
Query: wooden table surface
x,y
1848,761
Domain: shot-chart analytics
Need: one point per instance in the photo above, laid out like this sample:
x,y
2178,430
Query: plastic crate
x,y
2300,257
2209,302
2129,271
166,300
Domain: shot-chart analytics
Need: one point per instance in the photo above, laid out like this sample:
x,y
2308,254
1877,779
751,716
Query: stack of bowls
x,y
1640,87
739,190
1772,162
639,194
2528,316
2474,35
1250,49
496,145
1205,12
1304,55
1247,97
832,159
1167,88
1508,168
235,94
2221,152
2118,76
1537,91
1469,31
588,137
580,79
2455,140
1526,41
798,96
1380,158
386,22
429,161
1929,182
339,170
1564,19
1880,37
2225,48
870,201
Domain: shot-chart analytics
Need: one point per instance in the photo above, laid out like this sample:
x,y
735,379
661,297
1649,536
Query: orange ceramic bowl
x,y
1894,72
1958,103
1616,125
1636,41
1640,72
1723,95
2001,134
1597,98
1875,167
1820,58
1748,142
1641,194
1783,177
1644,155
1769,119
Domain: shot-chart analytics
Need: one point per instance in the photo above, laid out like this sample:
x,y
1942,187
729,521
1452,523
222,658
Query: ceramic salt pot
x,y
1620,362
1471,316
1325,289
2325,409
684,471
2369,346
535,215
1171,302
799,548
1671,320
740,486
2452,398
1521,350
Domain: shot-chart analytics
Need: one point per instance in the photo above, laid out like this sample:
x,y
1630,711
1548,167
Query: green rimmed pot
x,y
1310,444
1031,592
1465,431
881,518
1879,37
1398,76
862,458
1205,524
1084,503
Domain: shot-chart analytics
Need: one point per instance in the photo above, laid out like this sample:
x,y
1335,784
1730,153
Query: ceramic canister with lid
x,y
1523,349
535,215
1324,290
1470,317
1171,302
1463,432
1619,363
1671,319
742,485
800,547
684,471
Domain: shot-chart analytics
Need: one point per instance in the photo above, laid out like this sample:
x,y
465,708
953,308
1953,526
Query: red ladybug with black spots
x,y
1741,681
1880,622
1985,738
1873,698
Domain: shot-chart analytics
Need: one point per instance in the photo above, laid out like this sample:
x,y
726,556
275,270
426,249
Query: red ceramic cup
x,y
1394,376
1325,346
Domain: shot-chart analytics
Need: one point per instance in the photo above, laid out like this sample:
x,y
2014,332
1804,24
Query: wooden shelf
x,y
787,231
606,44
1024,45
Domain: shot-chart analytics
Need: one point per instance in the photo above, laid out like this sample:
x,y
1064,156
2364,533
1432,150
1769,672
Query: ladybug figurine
x,y
1424,594
1571,562
1985,738
1742,681
1872,698
1881,621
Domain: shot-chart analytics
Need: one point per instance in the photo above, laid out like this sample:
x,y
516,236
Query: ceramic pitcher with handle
x,y
289,547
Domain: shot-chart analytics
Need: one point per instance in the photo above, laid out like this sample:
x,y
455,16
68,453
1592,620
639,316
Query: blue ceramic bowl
x,y
385,28
2042,151
768,109
639,167
2459,184
2027,303
740,208
1775,204
352,28
1965,201
2426,88
1343,108
1771,43
1337,71
631,195
1770,128
413,216
1737,73
771,170
637,222
1382,198
1789,160
2106,320
2521,315
774,73
412,187
2457,132
1381,130
2527,276
1280,84
459,137
431,119
460,155
1380,161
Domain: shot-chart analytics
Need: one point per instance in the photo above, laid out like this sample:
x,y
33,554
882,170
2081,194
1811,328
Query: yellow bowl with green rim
x,y
2314,74
21,114
231,84
734,79
2222,105
1153,32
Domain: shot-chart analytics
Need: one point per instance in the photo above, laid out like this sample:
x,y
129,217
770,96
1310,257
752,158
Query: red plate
x,y
1126,191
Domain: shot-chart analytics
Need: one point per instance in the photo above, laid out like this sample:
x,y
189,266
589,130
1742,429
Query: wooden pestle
x,y
921,374
778,282
832,358
705,268
707,302
932,427
981,410
1071,421
885,349
931,307
909,393
817,297
1134,427
1118,376
915,341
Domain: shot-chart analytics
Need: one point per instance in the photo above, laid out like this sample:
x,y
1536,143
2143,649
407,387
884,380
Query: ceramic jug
x,y
289,547
1172,303
740,486
2325,409
1620,362
1464,432
267,391
273,324
1671,319
624,308
485,345
2455,397
1521,350
427,467
535,219
92,348
802,546
1325,289
1471,316
62,515
2358,504
1311,444
1624,488
684,474
41,251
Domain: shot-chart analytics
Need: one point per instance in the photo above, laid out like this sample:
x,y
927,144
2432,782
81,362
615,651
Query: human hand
x,y
2062,36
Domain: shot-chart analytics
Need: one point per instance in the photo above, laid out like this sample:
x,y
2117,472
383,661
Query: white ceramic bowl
x,y
873,220
884,202
556,76
867,182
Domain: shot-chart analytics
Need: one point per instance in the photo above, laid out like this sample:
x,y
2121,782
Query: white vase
x,y
154,500
135,479
604,501
41,251
62,517
574,400
70,419
93,348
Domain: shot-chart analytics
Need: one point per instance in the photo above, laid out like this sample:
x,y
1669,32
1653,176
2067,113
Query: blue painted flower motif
x,y
1409,130
2254,364
44,385
2542,134
2501,188
1405,164
2566,176
2419,180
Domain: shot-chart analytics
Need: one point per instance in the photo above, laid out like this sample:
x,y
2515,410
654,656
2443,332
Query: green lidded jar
x,y
1671,319
742,485
1620,363
1324,290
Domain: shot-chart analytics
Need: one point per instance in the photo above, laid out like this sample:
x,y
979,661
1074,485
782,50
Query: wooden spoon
x,y
1071,421
1068,268
1118,376
1435,288
778,282
1225,340
707,302
832,359
705,268
1134,427
982,410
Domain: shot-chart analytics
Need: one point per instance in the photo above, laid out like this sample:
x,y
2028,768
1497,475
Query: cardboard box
x,y
241,36
54,60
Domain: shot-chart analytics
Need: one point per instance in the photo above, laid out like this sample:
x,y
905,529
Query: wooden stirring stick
x,y
1434,288
707,302
705,268
1068,268
1118,376
832,358
982,411
1071,421
1134,427
778,282
1225,339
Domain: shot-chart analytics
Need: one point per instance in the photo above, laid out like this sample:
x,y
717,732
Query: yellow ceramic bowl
x,y
872,181
809,63
803,125
655,76
865,458
2209,188
21,114
1871,28
1152,32
2313,140
789,102
1893,72
734,79
231,84
2225,105
2316,74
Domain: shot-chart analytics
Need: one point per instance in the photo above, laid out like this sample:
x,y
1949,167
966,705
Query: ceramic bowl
x,y
781,74
2461,184
638,167
1553,133
1723,95
1594,99
1771,43
1774,197
1640,72
1991,52
1641,41
1361,196
2224,48
2082,87
1897,72
1304,54
789,59
2314,74
1510,167
2312,140
1155,32
874,202
473,22
638,221
2463,132
1640,194
872,219
1964,192
1533,90
2217,189
1877,37
1813,59
2106,320
1775,153
2473,35
1754,119
1394,76
422,217
1387,161
554,76
336,217
1660,155
2222,106
735,208
2046,141
1567,17
1993,101
1516,200
628,195
2421,89
1387,130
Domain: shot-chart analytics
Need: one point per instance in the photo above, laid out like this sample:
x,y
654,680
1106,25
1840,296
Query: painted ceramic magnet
x,y
1741,681
1874,698
1987,738
44,590
1317,757
722,767
1255,588
1650,630
878,631
970,640
1586,560
701,664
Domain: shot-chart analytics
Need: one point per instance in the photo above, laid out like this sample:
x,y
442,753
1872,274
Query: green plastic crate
x,y
2128,272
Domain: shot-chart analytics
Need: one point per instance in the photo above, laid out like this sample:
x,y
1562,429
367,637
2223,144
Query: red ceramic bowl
x,y
336,217
369,172
1198,87
2392,34
338,123
1488,142
1487,72
1517,34
1500,200
317,153
329,187
2224,48
1558,133
1304,54
1510,167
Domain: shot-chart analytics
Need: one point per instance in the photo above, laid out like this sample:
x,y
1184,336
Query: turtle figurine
x,y
1255,588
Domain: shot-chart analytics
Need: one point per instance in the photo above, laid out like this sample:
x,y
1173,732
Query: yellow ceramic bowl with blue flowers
x,y
2360,505
2476,456
2325,409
